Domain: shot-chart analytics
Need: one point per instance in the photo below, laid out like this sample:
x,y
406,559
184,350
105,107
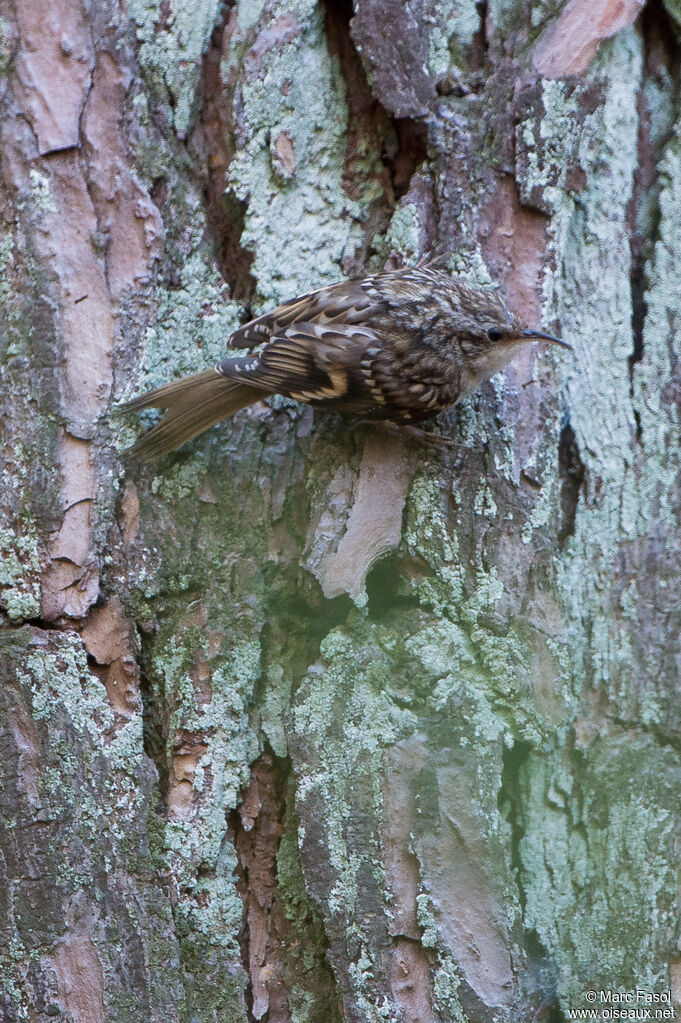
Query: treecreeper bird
x,y
399,346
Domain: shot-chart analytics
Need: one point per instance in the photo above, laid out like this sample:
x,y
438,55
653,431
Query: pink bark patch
x,y
568,46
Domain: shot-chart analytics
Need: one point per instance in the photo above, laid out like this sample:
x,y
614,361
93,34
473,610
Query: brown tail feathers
x,y
194,403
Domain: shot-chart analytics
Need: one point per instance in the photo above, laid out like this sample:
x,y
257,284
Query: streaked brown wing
x,y
350,301
310,362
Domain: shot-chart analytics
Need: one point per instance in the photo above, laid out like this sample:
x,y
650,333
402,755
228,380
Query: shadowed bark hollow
x,y
306,724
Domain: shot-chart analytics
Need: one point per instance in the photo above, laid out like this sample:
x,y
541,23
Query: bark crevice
x,y
540,977
212,143
573,475
400,143
658,89
154,718
282,939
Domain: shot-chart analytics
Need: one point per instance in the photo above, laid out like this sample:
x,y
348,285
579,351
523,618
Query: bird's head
x,y
489,335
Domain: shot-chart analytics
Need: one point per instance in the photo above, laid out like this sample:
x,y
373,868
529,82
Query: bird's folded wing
x,y
308,361
349,301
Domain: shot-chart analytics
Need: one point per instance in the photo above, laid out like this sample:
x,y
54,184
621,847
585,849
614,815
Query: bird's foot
x,y
429,440
432,440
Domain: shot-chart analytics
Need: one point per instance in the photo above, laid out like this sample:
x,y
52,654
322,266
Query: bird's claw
x,y
427,439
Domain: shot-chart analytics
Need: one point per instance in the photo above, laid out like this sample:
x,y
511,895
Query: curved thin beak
x,y
536,335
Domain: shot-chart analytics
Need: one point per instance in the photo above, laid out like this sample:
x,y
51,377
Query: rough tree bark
x,y
305,724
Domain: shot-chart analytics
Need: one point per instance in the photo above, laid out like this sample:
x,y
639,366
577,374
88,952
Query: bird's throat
x,y
487,364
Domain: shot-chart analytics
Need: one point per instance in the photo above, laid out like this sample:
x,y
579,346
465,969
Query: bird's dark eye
x,y
493,334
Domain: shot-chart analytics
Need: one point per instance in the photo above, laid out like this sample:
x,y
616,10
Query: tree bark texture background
x,y
305,724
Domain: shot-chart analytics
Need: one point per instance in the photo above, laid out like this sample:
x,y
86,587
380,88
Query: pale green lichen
x,y
450,38
427,920
469,264
41,192
7,45
171,48
589,235
484,503
92,787
543,509
446,983
610,847
658,418
249,13
81,694
222,723
566,846
442,649
426,526
275,705
198,310
6,266
497,664
370,723
297,90
403,234
209,910
19,574
362,974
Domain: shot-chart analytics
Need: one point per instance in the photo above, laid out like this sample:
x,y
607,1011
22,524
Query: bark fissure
x,y
282,939
661,66
480,45
573,480
399,144
154,717
515,759
540,980
212,145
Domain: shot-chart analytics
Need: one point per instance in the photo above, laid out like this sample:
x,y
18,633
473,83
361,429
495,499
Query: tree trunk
x,y
305,723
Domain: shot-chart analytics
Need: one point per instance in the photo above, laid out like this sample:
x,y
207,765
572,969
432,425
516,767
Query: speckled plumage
x,y
398,346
